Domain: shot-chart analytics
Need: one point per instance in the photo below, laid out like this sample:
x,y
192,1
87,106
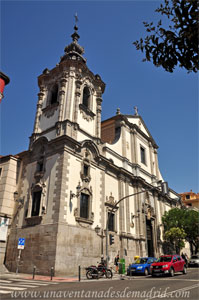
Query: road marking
x,y
5,292
34,281
12,288
167,279
7,286
18,284
165,295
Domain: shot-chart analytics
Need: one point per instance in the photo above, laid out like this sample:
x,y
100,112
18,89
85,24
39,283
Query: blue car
x,y
141,266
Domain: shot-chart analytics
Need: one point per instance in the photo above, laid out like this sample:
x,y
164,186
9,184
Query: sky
x,y
33,37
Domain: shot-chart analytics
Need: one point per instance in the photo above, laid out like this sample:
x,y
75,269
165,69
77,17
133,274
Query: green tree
x,y
185,219
175,236
191,227
178,44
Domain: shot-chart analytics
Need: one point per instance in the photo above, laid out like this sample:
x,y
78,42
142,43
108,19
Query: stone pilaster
x,y
155,225
127,207
98,123
61,186
134,155
61,98
123,135
39,107
78,84
136,213
61,105
156,164
140,213
102,200
69,97
151,158
121,206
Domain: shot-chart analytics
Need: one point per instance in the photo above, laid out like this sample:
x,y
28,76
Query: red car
x,y
168,264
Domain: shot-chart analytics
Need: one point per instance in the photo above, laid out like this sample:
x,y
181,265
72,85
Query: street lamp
x,y
72,195
164,189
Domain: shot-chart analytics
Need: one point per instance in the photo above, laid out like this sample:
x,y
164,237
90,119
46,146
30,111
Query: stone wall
x,y
39,251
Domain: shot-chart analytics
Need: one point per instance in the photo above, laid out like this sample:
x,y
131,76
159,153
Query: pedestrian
x,y
103,261
116,263
183,256
186,259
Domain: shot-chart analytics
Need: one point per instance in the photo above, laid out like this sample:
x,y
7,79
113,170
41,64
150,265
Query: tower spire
x,y
76,20
75,36
74,50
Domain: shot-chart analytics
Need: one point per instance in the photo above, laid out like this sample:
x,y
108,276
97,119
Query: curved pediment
x,y
92,147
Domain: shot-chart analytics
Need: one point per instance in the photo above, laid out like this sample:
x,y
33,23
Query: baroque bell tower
x,y
70,97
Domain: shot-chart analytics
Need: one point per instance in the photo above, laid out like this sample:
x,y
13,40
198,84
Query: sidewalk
x,y
9,275
22,276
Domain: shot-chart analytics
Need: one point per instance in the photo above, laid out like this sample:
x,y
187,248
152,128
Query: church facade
x,y
76,170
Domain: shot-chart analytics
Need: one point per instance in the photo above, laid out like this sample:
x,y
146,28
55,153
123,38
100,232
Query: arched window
x,y
86,97
54,94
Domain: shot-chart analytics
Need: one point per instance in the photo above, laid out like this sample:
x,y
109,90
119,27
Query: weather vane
x,y
76,19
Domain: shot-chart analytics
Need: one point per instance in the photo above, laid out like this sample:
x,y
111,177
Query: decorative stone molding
x,y
40,96
86,112
63,82
31,221
38,175
61,92
50,110
148,210
83,220
110,202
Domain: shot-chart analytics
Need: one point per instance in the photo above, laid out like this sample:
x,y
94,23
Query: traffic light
x,y
111,239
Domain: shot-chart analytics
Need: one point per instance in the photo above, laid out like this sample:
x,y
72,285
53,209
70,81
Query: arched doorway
x,y
149,237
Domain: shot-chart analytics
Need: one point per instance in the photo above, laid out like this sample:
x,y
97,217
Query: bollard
x,y
51,273
79,273
33,274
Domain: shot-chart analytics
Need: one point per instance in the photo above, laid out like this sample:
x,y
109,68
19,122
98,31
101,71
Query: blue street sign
x,y
21,243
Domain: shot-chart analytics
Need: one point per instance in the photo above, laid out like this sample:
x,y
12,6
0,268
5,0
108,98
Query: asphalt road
x,y
138,287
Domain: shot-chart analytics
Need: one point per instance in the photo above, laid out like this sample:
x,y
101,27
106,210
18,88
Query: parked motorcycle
x,y
101,270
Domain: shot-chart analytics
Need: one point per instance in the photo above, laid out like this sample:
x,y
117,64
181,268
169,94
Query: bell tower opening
x,y
86,97
54,94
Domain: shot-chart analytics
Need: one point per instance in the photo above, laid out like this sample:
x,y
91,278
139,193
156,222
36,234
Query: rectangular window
x,y
143,155
84,206
187,196
111,219
0,172
36,203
